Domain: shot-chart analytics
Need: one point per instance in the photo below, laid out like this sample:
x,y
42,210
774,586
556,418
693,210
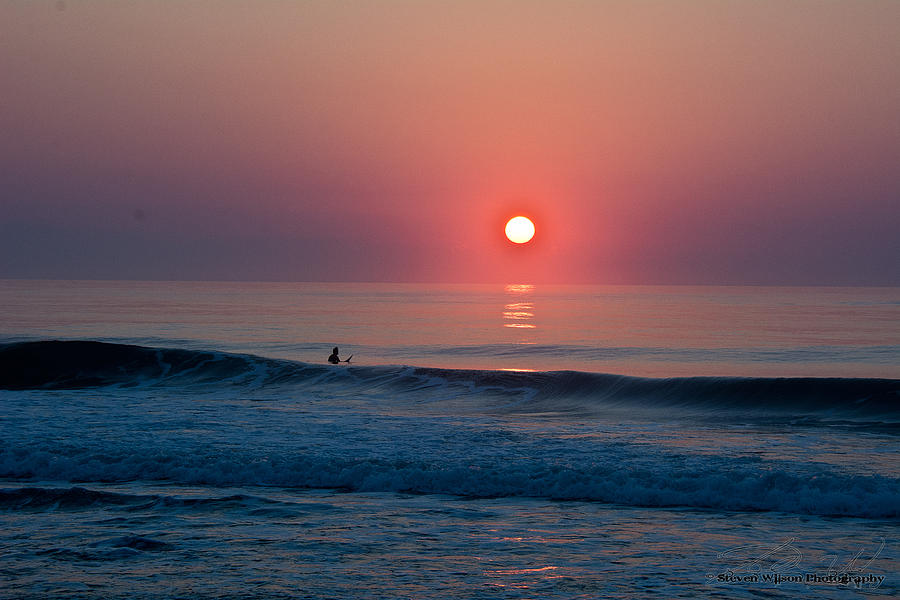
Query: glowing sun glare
x,y
519,230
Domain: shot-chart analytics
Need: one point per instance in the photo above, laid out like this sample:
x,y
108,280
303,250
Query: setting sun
x,y
519,230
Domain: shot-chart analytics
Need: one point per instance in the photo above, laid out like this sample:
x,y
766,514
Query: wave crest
x,y
80,364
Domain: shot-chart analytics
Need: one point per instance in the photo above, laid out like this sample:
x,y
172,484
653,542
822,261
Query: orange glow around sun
x,y
519,230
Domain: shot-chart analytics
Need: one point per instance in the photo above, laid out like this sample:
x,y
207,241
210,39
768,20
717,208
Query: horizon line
x,y
438,282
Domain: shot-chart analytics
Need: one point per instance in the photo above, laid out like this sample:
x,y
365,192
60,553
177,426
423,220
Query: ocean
x,y
190,440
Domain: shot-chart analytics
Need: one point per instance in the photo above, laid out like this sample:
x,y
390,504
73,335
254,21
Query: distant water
x,y
188,440
640,331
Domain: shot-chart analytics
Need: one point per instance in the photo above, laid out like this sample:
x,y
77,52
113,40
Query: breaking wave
x,y
741,486
83,364
403,453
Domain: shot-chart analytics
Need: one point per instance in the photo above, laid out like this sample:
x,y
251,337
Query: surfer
x,y
335,359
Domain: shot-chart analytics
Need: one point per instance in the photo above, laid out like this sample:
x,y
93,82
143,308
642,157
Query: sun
x,y
520,230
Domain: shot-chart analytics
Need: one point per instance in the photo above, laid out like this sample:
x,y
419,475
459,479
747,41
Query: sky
x,y
652,142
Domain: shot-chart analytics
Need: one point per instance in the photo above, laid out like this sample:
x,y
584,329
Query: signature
x,y
776,559
781,562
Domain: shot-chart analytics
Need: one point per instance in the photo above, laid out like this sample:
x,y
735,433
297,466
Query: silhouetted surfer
x,y
335,359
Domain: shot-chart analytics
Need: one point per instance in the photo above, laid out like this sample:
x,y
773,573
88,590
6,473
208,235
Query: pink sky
x,y
652,142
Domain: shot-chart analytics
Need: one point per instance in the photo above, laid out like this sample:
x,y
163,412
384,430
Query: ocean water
x,y
163,440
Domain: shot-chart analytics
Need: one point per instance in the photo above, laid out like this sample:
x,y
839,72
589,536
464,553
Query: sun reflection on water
x,y
517,314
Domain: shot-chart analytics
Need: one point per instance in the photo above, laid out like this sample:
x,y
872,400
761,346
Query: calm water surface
x,y
643,331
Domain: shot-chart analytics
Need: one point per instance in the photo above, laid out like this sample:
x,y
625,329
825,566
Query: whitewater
x,y
202,457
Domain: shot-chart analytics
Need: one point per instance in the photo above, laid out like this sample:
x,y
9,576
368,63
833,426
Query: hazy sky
x,y
652,142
